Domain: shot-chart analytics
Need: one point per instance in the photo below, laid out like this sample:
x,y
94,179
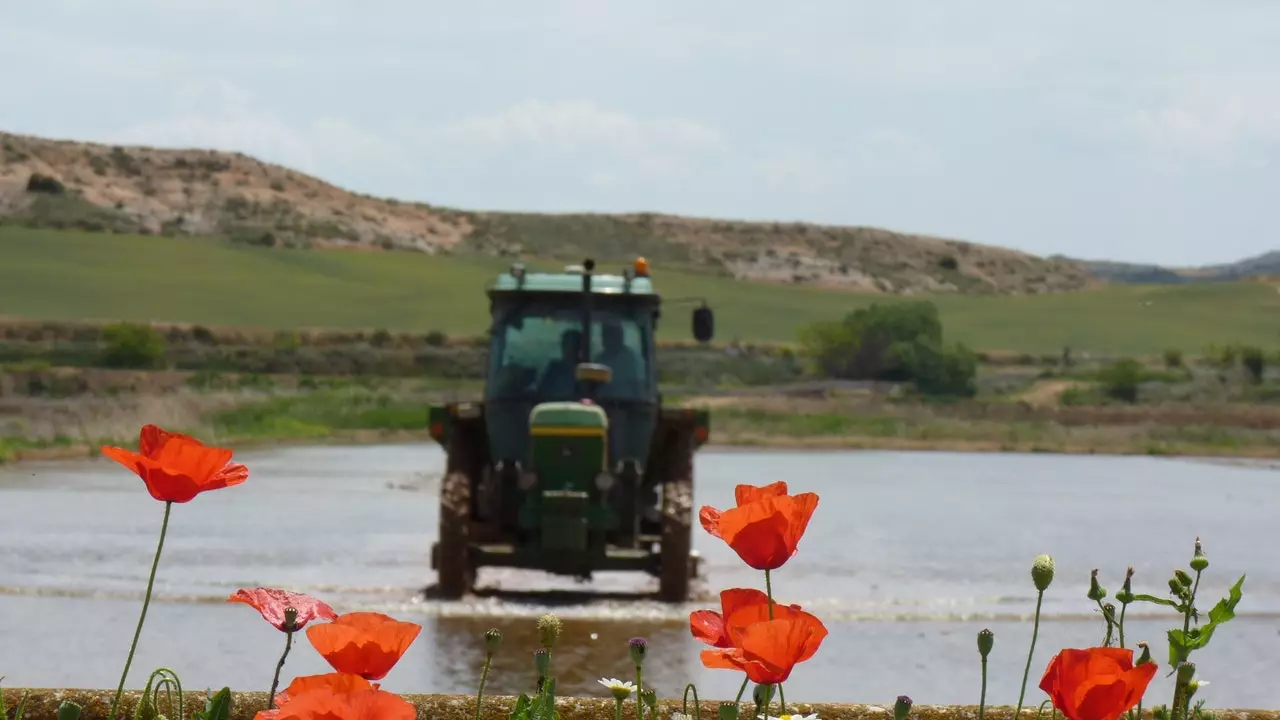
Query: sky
x,y
1143,131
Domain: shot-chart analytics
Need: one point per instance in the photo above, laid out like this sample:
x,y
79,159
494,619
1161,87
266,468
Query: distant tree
x,y
128,345
1120,379
897,342
1254,361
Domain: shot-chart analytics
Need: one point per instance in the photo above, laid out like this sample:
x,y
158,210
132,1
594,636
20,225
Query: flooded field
x,y
908,556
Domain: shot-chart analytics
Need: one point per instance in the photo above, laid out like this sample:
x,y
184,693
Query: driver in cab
x,y
622,360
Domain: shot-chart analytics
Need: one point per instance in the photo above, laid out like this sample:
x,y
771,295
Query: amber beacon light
x,y
641,267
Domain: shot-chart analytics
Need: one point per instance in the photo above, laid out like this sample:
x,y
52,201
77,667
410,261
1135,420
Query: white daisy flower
x,y
621,690
677,715
810,716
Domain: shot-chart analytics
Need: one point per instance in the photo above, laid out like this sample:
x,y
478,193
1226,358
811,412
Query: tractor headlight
x,y
604,481
527,480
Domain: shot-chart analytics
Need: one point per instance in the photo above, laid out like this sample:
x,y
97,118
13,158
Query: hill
x,y
70,275
1258,267
201,193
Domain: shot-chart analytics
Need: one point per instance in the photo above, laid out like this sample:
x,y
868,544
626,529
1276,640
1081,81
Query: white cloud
x,y
580,125
1227,119
216,114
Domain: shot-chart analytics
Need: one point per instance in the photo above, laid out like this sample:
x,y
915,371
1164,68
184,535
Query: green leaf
x,y
216,707
522,709
1224,611
1157,600
69,711
544,708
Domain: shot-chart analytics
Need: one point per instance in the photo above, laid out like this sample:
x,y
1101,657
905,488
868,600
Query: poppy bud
x,y
728,711
1042,572
1184,579
1125,596
549,630
492,640
1199,561
762,694
69,711
290,619
1175,587
637,647
650,697
1109,613
1096,591
986,640
542,661
1145,656
902,708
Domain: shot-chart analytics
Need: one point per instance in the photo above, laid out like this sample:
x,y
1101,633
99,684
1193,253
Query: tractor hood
x,y
568,419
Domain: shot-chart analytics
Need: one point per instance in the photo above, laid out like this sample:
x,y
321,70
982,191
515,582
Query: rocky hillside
x,y
54,183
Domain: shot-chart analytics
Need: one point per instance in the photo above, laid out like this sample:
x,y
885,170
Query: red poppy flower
x,y
337,682
769,650
766,525
367,644
176,467
1097,683
272,603
326,703
739,607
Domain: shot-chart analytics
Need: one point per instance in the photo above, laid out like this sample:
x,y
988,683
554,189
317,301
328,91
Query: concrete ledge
x,y
42,704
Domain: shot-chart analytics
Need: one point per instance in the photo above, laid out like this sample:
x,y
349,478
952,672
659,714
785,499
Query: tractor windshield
x,y
536,345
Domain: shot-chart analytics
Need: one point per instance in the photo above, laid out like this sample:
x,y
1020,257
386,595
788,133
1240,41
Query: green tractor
x,y
571,464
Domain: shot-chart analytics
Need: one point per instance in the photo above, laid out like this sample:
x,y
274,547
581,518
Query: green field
x,y
58,275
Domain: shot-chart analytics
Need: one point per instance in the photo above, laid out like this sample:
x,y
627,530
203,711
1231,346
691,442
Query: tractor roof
x,y
570,281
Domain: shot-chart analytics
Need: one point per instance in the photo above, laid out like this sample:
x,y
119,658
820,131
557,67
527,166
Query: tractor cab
x,y
568,463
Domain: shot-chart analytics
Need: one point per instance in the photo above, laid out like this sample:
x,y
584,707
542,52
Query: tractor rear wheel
x,y
677,524
454,574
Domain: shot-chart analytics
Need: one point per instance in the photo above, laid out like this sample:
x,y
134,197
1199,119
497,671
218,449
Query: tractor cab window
x,y
536,347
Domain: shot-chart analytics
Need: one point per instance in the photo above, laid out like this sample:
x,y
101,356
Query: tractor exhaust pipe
x,y
585,351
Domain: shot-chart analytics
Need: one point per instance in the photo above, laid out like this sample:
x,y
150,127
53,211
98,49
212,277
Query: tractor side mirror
x,y
704,324
593,373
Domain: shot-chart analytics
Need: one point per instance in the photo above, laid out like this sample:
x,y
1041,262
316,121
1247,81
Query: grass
x,y
68,275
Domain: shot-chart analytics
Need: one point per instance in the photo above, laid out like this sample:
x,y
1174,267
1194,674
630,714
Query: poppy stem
x,y
738,700
484,675
697,706
146,600
1120,625
768,591
275,681
1035,631
982,698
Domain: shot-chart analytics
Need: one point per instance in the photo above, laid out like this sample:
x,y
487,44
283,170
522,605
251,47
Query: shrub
x,y
128,345
1173,358
1121,378
896,342
45,184
1255,361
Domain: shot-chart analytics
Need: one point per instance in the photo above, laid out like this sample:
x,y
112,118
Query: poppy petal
x,y
745,494
710,519
124,457
167,486
758,533
708,626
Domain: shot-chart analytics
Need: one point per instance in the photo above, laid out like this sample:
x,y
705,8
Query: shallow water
x,y
907,557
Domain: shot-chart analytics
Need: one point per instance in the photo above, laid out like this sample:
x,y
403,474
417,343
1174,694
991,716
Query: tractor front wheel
x,y
454,574
677,526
